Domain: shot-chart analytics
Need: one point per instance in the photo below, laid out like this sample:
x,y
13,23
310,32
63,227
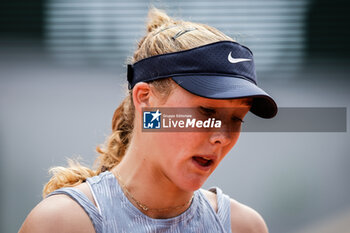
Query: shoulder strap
x,y
224,207
85,203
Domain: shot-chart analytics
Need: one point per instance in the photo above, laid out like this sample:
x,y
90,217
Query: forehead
x,y
243,101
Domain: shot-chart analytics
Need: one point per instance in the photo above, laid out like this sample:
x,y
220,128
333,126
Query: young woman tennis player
x,y
151,182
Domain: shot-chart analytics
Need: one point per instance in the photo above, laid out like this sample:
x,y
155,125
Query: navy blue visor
x,y
220,70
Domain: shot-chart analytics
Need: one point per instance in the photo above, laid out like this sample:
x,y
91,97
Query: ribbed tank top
x,y
116,214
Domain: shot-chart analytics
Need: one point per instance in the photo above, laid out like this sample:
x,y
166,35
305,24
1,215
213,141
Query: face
x,y
188,158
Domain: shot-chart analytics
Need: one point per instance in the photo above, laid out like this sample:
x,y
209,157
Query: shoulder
x,y
57,213
246,220
211,196
243,218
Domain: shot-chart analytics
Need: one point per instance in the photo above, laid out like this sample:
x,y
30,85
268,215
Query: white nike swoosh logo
x,y
236,60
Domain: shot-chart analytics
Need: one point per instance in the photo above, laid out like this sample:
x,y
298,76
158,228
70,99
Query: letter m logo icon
x,y
151,120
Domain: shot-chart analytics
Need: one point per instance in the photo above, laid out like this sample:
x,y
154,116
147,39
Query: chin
x,y
191,185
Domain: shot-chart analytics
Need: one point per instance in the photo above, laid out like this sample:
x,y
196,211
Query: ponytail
x,y
117,143
110,154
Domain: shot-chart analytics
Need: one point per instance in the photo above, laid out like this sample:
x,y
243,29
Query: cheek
x,y
176,149
174,142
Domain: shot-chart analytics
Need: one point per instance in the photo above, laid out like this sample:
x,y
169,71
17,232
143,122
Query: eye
x,y
207,111
237,119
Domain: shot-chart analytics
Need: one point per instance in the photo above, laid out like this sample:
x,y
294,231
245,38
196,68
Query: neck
x,y
147,184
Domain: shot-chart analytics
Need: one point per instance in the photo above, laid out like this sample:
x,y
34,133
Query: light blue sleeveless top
x,y
116,214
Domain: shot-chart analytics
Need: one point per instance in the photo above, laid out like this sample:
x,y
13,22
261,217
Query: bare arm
x,y
243,218
58,213
246,220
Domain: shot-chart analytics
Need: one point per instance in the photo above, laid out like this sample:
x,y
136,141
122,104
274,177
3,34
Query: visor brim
x,y
223,87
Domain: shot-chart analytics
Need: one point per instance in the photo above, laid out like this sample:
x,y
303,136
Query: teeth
x,y
206,158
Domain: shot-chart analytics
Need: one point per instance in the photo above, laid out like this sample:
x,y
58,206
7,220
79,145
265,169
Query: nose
x,y
223,138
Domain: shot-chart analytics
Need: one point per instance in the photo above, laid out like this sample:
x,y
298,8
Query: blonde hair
x,y
164,35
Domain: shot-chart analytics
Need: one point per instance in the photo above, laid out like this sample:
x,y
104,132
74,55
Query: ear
x,y
142,95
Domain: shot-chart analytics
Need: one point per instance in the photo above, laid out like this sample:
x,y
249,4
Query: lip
x,y
202,168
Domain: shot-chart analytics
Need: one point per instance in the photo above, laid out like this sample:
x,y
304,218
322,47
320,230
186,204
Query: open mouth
x,y
202,161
